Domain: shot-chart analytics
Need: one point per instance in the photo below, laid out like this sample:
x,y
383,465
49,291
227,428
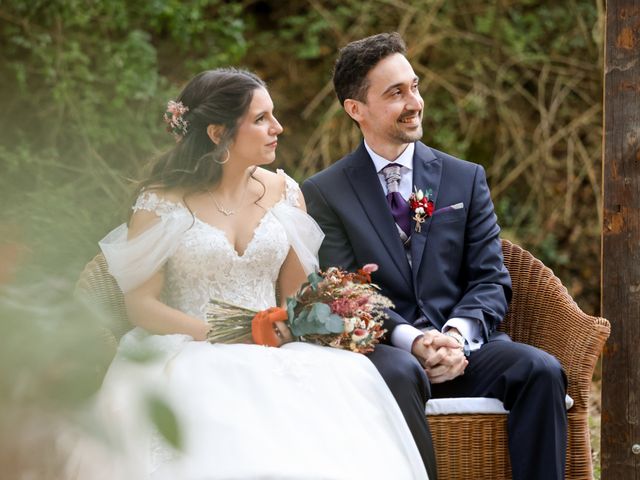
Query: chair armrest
x,y
543,314
99,288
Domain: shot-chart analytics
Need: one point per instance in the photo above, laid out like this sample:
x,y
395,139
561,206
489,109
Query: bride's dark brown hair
x,y
214,97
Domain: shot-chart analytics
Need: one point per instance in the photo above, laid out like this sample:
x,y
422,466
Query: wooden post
x,y
621,242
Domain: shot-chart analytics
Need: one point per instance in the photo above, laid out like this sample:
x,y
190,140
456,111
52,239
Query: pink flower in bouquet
x,y
359,334
348,307
370,268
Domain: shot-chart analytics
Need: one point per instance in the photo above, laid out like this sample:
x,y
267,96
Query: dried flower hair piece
x,y
173,117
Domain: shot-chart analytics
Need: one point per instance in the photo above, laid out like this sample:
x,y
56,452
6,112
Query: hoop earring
x,y
226,158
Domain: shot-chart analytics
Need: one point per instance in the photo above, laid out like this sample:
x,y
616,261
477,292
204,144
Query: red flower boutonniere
x,y
421,206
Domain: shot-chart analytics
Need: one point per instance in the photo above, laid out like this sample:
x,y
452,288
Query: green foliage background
x,y
512,84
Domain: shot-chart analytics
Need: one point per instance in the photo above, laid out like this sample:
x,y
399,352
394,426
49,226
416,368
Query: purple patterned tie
x,y
398,205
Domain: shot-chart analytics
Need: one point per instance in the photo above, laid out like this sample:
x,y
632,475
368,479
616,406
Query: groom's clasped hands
x,y
441,356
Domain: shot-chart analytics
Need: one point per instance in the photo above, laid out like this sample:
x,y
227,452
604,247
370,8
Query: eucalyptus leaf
x,y
311,324
320,312
334,323
314,279
297,324
292,303
318,316
330,322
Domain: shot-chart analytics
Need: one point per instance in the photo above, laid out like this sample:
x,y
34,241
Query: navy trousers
x,y
529,382
532,386
410,386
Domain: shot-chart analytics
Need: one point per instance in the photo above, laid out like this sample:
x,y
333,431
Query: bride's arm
x,y
144,307
146,310
290,278
292,274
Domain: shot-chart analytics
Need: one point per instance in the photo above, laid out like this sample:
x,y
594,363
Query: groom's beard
x,y
401,136
408,137
404,136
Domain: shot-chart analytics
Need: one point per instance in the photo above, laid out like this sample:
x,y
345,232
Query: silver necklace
x,y
225,211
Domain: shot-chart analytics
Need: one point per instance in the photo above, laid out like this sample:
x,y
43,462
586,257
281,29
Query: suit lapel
x,y
366,185
427,172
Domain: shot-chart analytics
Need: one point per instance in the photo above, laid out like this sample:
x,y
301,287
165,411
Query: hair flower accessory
x,y
173,117
421,205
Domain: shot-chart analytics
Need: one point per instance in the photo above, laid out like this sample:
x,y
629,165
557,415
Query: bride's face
x,y
257,136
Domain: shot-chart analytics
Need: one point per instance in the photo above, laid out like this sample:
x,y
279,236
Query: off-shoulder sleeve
x,y
292,191
133,261
303,233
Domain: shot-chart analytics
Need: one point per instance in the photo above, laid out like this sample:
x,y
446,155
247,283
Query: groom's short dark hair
x,y
357,58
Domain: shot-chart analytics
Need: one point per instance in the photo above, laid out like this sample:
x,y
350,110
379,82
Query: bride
x,y
209,222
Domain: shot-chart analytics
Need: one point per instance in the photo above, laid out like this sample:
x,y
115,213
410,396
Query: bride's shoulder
x,y
271,180
281,185
160,201
153,203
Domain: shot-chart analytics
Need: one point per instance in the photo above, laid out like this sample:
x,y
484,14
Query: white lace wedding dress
x,y
244,411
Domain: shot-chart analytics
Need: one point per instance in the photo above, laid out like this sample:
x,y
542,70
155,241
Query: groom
x,y
442,267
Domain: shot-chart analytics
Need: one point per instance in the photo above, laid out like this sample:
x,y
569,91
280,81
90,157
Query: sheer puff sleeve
x,y
132,261
303,233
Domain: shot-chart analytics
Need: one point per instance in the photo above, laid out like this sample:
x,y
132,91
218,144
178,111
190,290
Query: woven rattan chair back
x,y
98,286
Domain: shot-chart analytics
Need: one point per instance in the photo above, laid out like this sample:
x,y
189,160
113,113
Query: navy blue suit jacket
x,y
457,266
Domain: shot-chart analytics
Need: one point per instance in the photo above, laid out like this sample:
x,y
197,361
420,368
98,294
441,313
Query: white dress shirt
x,y
404,335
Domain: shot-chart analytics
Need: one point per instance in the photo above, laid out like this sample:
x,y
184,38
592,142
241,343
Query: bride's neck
x,y
233,182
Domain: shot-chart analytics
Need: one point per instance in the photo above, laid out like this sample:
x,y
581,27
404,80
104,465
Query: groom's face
x,y
392,113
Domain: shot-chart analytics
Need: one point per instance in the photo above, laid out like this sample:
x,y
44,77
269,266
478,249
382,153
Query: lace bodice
x,y
199,261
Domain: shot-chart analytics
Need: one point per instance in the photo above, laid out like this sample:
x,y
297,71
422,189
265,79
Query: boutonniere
x,y
421,206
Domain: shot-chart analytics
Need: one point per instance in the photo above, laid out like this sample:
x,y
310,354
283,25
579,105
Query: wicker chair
x,y
542,314
474,446
101,290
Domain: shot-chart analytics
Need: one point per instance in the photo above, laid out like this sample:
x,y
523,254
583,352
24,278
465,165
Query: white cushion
x,y
471,405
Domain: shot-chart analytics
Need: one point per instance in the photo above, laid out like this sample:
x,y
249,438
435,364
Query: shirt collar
x,y
405,158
